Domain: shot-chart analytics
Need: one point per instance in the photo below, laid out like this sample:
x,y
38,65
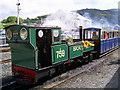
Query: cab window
x,y
91,34
56,35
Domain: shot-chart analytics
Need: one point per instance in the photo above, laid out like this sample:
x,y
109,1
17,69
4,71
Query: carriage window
x,y
110,35
113,34
117,34
102,35
106,35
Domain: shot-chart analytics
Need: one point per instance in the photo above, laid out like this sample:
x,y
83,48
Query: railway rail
x,y
48,84
3,53
5,50
5,61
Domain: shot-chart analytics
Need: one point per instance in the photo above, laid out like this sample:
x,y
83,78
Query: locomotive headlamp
x,y
9,34
23,34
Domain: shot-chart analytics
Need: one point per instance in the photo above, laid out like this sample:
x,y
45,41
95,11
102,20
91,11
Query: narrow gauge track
x,y
13,86
5,61
5,87
5,50
48,83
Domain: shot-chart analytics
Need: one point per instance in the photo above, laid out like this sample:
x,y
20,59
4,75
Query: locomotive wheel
x,y
86,58
63,68
90,57
59,69
51,72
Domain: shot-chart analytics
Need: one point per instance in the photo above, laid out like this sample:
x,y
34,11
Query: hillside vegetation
x,y
110,16
103,17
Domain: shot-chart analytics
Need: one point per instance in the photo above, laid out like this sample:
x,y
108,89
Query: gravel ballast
x,y
98,77
5,68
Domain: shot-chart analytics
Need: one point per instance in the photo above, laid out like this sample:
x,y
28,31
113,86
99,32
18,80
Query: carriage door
x,y
44,40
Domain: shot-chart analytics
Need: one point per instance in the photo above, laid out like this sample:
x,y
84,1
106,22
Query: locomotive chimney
x,y
80,32
28,21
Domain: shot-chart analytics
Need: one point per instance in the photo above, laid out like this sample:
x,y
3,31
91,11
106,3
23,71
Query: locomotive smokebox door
x,y
45,37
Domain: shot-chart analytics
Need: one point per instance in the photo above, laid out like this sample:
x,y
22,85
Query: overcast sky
x,y
33,8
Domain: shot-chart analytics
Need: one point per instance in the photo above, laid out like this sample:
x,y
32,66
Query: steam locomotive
x,y
39,51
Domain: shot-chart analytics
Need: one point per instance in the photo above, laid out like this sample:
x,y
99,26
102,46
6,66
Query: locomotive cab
x,y
93,34
45,38
105,41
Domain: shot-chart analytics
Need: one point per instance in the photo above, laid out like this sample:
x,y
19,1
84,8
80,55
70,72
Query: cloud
x,y
7,8
33,8
99,4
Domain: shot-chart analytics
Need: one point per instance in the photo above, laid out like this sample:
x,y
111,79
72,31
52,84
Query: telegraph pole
x,y
18,11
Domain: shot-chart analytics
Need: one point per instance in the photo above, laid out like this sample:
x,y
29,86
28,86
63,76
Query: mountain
x,y
109,17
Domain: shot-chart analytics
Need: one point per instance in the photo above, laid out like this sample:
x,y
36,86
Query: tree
x,y
4,21
42,17
13,20
1,26
21,20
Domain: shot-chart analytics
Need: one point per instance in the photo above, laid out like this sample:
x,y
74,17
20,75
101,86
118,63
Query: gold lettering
x,y
76,48
60,53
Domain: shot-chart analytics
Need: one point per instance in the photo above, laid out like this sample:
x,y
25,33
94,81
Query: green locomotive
x,y
39,51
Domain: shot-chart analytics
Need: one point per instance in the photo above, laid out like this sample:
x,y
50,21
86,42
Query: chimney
x,y
28,21
80,32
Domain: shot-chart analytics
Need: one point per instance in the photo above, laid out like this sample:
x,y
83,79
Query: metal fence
x,y
2,41
3,38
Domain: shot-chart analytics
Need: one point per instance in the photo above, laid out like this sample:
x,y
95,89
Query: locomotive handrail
x,y
75,43
87,43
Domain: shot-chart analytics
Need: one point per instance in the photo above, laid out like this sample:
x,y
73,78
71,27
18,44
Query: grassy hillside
x,y
102,16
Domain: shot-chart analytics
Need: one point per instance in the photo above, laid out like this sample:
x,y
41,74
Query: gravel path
x,y
98,77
